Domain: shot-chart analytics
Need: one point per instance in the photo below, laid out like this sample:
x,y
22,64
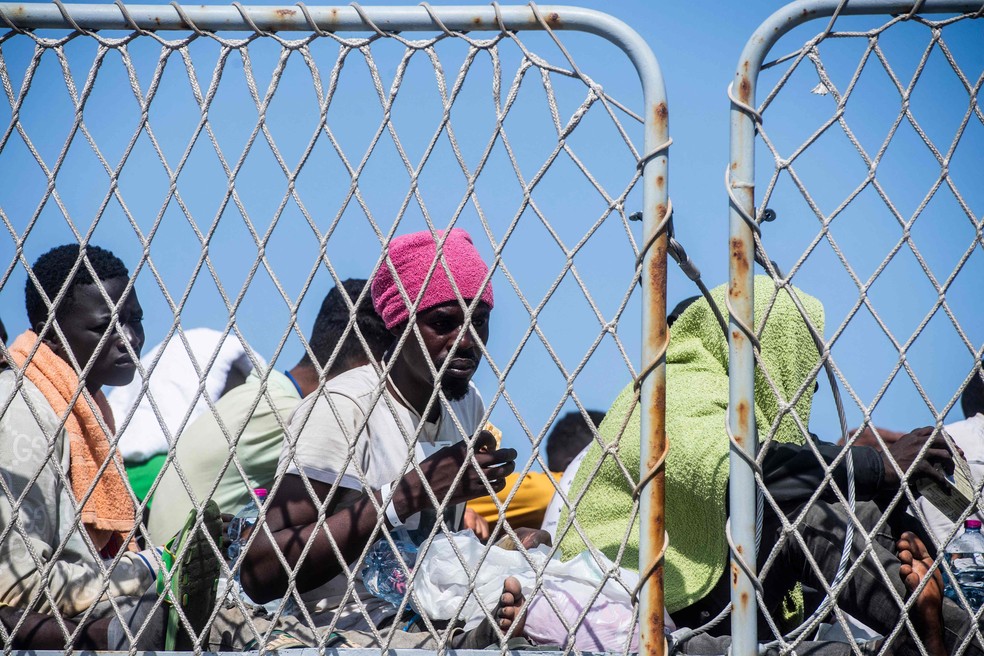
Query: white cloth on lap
x,y
174,388
457,580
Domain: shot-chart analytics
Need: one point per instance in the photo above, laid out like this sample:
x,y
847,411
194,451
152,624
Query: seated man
x,y
359,442
697,587
567,445
55,500
203,450
173,388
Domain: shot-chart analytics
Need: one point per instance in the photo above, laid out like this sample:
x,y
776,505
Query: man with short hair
x,y
359,442
203,450
569,436
65,489
567,446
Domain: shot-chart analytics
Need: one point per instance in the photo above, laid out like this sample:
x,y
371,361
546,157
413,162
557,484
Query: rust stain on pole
x,y
742,410
739,256
745,90
741,262
661,115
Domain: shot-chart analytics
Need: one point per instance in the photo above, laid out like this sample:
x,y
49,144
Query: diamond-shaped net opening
x,y
239,177
869,139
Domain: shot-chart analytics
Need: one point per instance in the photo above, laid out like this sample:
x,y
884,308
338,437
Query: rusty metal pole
x,y
741,369
653,399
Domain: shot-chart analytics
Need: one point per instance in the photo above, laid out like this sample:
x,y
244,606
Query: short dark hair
x,y
568,438
52,270
333,318
972,399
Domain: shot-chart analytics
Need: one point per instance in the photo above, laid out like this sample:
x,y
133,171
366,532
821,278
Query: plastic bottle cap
x,y
973,524
261,492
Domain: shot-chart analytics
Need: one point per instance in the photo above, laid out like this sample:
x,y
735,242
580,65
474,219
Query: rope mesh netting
x,y
241,175
867,153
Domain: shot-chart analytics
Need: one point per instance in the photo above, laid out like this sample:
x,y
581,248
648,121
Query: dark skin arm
x,y
351,517
41,631
905,450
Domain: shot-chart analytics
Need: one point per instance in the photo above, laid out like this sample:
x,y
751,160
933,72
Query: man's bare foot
x,y
510,603
927,612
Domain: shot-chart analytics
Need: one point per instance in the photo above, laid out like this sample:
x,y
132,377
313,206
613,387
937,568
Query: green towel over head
x,y
697,462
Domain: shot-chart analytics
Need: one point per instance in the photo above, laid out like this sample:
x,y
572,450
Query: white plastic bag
x,y
442,583
571,588
442,588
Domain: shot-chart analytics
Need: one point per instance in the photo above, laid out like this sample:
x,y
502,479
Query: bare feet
x,y
927,612
507,612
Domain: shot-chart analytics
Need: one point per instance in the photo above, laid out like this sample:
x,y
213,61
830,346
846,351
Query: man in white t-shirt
x,y
371,439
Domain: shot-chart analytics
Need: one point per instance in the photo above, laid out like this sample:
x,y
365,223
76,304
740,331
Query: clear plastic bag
x,y
606,623
383,574
442,588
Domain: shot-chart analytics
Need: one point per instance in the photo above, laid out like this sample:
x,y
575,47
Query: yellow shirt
x,y
528,505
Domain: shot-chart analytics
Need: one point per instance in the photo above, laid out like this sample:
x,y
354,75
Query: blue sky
x,y
697,44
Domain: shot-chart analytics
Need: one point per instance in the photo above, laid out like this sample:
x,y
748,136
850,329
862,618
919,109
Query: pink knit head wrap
x,y
412,256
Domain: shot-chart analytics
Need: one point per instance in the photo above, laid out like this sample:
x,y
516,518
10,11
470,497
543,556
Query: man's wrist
x,y
388,493
889,477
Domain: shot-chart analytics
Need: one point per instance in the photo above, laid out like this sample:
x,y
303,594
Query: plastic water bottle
x,y
238,534
966,557
244,521
383,575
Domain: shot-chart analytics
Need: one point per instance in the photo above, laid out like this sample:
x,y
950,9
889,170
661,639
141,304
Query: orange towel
x,y
108,514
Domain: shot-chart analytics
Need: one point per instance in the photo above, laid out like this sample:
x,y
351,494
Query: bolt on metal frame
x,y
454,21
746,247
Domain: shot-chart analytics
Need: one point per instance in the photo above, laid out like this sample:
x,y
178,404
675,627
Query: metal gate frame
x,y
743,224
454,21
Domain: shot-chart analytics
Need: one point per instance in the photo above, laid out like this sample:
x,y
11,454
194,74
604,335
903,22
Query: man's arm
x,y
351,517
793,472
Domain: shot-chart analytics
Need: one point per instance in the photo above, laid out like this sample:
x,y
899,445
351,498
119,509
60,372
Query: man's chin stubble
x,y
455,390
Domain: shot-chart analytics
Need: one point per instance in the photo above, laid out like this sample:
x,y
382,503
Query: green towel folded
x,y
697,463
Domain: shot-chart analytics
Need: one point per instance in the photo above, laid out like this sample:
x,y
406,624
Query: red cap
x,y
261,492
973,523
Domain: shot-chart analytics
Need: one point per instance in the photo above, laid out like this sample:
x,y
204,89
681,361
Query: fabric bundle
x,y
174,389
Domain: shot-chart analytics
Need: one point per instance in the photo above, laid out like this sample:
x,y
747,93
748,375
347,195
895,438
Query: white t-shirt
x,y
358,440
969,436
552,516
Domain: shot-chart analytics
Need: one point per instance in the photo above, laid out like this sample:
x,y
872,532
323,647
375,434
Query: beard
x,y
455,389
